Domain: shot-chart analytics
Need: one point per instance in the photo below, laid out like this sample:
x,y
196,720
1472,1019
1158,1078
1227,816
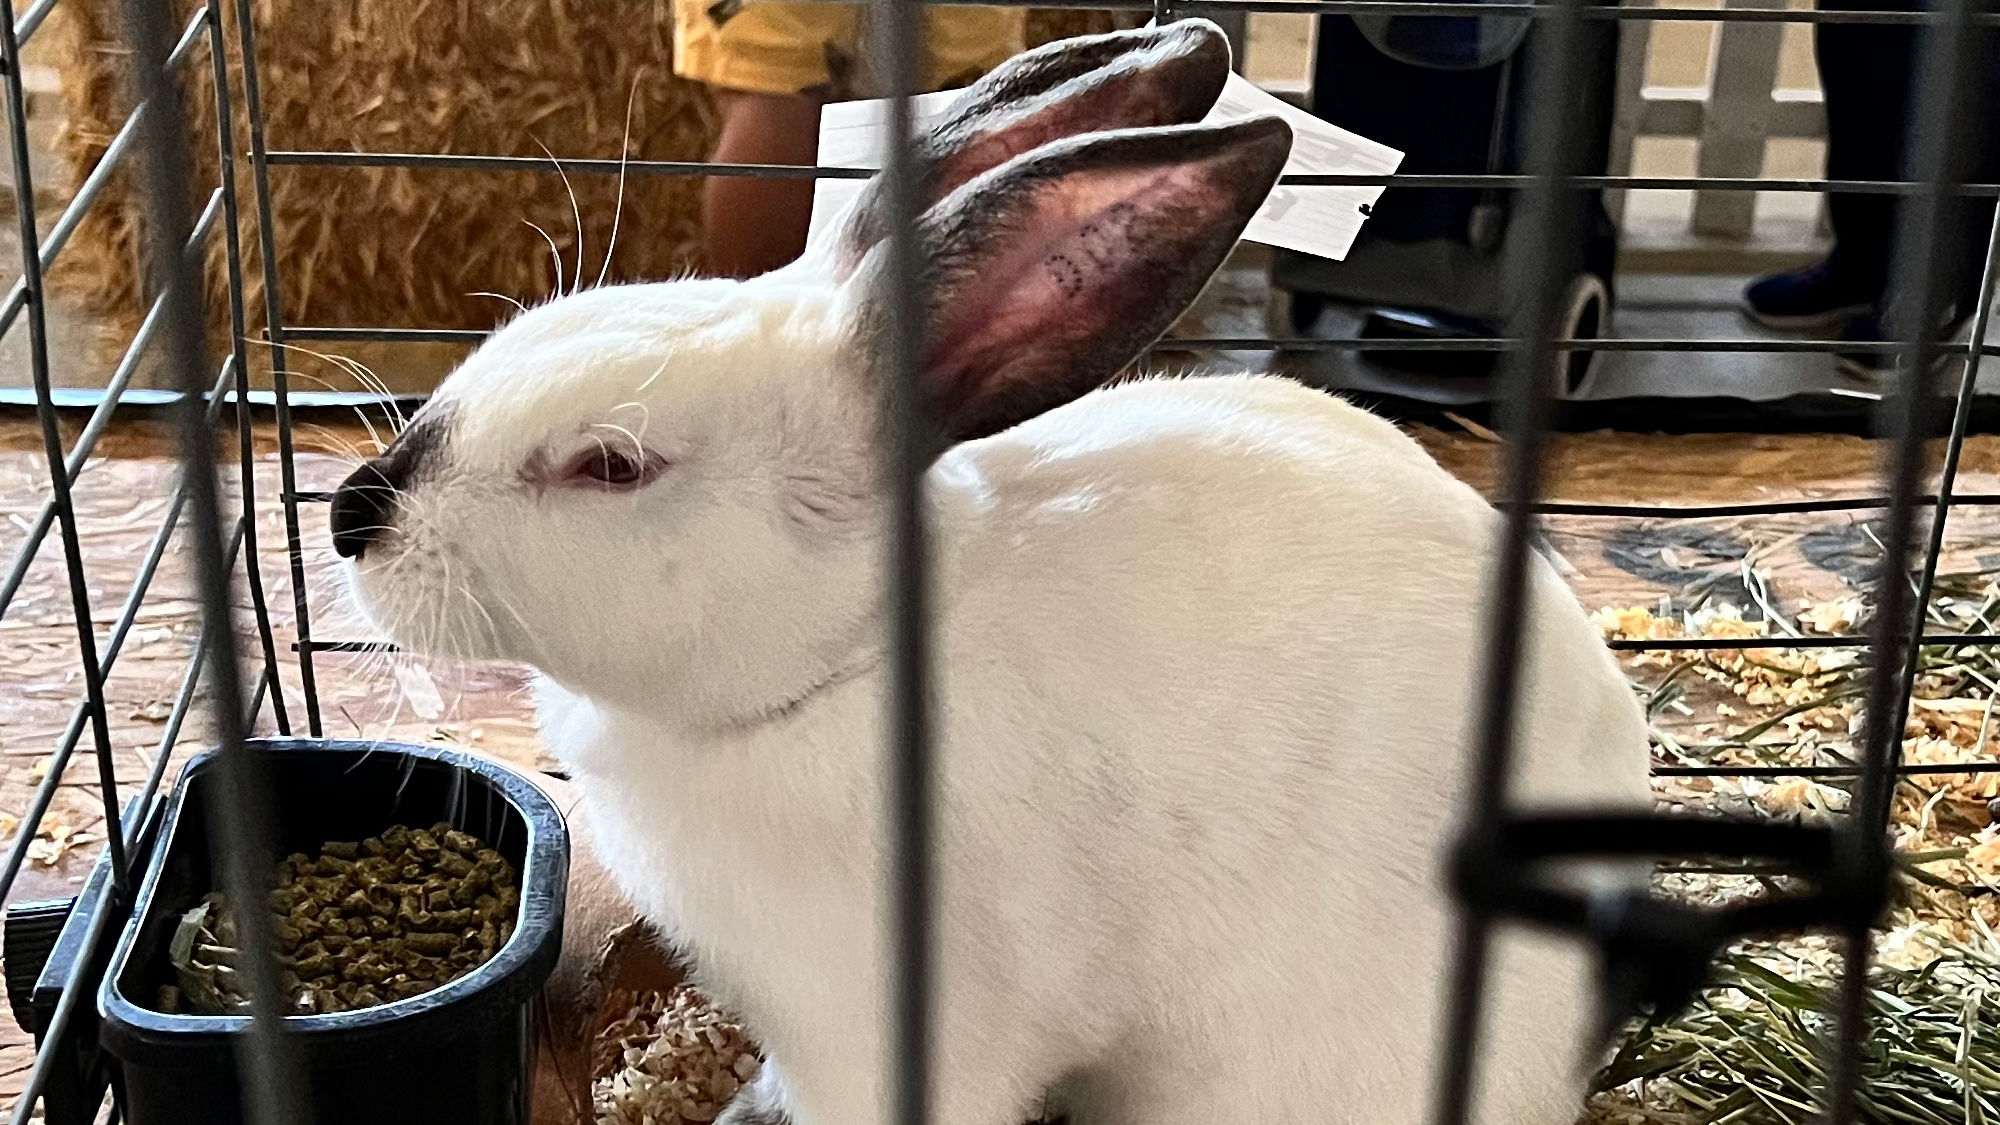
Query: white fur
x,y
1206,651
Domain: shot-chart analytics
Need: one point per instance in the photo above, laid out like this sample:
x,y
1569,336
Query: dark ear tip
x,y
1194,47
1193,31
1197,60
1266,140
1264,126
1199,34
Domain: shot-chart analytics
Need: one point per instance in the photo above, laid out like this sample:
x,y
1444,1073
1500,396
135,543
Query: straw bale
x,y
1048,25
397,246
405,247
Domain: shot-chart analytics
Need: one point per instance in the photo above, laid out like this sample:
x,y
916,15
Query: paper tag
x,y
1315,220
852,135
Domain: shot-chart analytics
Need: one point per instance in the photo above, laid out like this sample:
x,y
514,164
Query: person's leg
x,y
772,65
1985,168
1868,72
1870,82
1864,72
753,226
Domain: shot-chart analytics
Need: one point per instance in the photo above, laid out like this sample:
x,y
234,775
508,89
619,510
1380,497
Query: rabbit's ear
x,y
1048,275
1146,78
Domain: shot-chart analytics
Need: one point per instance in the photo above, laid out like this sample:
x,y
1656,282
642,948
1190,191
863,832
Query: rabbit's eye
x,y
612,469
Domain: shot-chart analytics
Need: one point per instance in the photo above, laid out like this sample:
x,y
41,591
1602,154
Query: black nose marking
x,y
366,501
361,507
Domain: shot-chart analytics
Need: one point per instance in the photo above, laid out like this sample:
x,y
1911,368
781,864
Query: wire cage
x,y
1654,950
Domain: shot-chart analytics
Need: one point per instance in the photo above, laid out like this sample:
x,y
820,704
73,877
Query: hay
x,y
1046,26
1751,1049
405,247
1747,1050
397,246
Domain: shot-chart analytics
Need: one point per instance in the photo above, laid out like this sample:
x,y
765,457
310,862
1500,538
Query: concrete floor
x,y
1650,306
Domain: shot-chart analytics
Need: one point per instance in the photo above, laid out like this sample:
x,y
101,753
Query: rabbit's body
x,y
1206,649
1201,733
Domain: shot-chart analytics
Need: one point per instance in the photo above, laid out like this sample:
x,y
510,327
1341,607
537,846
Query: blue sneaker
x,y
1811,298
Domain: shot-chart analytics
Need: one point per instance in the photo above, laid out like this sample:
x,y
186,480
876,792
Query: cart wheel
x,y
1306,311
1586,316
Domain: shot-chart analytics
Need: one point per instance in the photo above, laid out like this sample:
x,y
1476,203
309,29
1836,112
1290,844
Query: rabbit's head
x,y
670,495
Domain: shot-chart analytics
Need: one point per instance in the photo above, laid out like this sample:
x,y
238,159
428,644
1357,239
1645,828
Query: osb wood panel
x,y
119,501
1817,556
123,494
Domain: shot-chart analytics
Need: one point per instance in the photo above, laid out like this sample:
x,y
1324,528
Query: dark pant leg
x,y
1984,165
1867,72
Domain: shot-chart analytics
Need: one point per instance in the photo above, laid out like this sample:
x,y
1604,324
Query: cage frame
x,y
1854,859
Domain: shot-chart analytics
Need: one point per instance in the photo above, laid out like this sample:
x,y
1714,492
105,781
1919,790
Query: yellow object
x,y
786,47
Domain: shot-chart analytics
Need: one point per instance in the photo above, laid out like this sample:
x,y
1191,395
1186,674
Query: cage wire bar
x,y
1943,117
1530,267
274,328
159,61
27,295
240,806
172,321
899,35
79,590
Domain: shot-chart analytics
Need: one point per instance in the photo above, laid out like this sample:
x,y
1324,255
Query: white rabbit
x,y
1206,648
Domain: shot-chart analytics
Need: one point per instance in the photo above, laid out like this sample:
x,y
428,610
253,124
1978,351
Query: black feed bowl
x,y
458,1055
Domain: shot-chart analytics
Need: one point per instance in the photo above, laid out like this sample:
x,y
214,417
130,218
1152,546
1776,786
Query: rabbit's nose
x,y
361,508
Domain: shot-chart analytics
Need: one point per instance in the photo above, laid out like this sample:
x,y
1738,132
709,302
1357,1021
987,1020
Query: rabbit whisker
x,y
339,445
498,297
492,626
576,216
638,447
507,604
624,153
645,415
363,374
603,446
657,372
360,416
553,253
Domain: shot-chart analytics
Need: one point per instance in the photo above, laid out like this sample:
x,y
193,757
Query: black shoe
x,y
1811,298
1871,329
